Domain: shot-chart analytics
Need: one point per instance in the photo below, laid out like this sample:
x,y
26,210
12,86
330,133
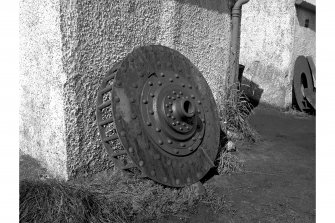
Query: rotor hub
x,y
172,112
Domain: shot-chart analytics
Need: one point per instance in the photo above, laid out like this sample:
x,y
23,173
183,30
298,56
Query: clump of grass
x,y
235,110
229,163
55,201
296,113
107,198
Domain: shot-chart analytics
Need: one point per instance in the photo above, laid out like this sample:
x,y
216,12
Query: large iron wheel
x,y
165,116
302,83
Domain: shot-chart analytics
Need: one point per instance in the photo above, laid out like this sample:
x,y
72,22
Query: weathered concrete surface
x,y
96,34
271,39
42,127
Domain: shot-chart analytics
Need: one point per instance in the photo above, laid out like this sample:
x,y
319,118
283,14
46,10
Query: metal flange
x,y
165,115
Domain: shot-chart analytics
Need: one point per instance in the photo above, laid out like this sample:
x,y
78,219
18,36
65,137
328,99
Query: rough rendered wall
x,y
272,36
267,39
96,34
42,127
304,38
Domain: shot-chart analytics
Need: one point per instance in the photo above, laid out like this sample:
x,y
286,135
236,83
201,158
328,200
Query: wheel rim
x,y
169,131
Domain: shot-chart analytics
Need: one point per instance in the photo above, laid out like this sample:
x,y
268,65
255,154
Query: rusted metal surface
x,y
165,116
303,85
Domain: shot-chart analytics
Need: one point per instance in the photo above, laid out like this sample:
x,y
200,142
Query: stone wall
x,y
91,37
271,39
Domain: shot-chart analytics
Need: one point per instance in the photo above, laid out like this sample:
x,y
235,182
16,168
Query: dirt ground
x,y
278,181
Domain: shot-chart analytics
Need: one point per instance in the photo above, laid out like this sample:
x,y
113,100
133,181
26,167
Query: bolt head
x,y
145,101
160,142
169,141
150,83
141,163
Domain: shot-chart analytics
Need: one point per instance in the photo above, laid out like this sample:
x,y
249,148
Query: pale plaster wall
x,y
271,39
42,127
95,35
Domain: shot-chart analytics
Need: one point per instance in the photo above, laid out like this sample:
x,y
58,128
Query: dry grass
x,y
229,163
235,110
107,198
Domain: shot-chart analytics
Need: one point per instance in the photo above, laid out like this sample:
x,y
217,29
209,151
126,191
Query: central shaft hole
x,y
188,107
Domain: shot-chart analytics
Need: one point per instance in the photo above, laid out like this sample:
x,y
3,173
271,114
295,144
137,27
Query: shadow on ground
x,y
30,168
278,180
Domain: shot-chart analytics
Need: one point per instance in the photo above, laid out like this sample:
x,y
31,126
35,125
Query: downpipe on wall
x,y
236,13
233,71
